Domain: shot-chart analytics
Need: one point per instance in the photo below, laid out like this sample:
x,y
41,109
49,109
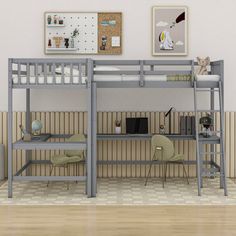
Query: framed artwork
x,y
170,31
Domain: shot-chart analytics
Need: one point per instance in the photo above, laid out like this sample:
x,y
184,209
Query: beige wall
x,y
211,32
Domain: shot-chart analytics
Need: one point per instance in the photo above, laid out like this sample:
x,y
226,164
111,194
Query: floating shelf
x,y
56,25
62,49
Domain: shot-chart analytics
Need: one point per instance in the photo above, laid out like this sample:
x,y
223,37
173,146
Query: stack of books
x,y
187,125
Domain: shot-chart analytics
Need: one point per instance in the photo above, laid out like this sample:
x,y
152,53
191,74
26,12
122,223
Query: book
x,y
193,127
188,125
182,125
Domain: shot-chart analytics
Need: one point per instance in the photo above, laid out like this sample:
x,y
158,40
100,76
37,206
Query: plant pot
x,y
118,130
49,20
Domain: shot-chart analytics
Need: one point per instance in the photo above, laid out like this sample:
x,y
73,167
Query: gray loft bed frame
x,y
139,68
46,66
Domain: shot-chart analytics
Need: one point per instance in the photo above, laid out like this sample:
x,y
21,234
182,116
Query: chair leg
x,y
76,171
163,174
165,170
68,173
149,172
185,172
51,170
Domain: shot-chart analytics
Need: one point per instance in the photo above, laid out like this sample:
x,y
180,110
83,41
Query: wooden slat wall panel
x,y
73,122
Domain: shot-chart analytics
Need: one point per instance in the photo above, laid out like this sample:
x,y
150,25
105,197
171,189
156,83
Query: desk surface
x,y
51,142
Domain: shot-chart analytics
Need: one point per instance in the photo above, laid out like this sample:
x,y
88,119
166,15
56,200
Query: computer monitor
x,y
137,125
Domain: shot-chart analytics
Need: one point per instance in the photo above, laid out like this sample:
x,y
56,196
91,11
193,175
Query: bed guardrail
x,y
45,72
144,68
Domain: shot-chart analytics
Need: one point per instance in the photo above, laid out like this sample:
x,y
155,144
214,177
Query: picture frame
x,y
170,31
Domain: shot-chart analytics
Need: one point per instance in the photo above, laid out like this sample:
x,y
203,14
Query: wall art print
x,y
170,31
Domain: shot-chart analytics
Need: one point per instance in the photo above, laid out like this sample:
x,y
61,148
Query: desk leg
x,y
201,150
28,153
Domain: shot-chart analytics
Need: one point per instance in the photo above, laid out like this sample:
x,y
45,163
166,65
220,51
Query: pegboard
x,y
86,42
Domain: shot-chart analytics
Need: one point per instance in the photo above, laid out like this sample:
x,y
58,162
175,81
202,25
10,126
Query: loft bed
x,y
163,74
92,74
44,74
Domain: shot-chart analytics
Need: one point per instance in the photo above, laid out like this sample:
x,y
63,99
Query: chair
x,y
70,156
163,151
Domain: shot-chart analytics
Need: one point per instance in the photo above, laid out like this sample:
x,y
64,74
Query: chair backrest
x,y
75,138
167,147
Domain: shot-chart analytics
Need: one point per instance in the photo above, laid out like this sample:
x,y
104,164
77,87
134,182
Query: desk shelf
x,y
141,136
45,144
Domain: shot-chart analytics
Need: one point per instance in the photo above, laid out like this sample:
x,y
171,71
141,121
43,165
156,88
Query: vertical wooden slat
x,y
47,130
18,136
109,144
232,145
227,140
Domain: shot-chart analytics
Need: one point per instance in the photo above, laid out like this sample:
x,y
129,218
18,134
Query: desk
x,y
129,137
48,142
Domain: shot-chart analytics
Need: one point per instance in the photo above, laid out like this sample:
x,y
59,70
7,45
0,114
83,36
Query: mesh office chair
x,y
163,151
70,156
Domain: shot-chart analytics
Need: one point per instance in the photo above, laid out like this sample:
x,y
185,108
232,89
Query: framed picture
x,y
170,31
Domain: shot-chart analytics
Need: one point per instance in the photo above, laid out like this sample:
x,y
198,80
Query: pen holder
x,y
27,137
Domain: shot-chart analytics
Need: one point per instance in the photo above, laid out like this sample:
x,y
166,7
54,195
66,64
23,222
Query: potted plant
x,y
49,20
118,127
73,36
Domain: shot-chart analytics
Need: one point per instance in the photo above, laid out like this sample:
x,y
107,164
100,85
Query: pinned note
x,y
115,41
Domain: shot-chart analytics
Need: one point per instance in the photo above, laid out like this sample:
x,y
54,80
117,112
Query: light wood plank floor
x,y
117,220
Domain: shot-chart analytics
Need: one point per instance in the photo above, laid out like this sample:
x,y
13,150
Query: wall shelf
x,y
62,49
55,25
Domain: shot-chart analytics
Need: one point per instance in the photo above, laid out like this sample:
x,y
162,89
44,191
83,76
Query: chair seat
x,y
63,159
178,157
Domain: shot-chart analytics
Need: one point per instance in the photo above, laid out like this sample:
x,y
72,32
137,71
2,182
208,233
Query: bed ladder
x,y
215,169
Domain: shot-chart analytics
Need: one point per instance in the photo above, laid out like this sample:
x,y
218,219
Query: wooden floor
x,y
117,220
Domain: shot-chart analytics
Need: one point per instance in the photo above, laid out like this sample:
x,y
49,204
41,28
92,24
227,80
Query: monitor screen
x,y
136,125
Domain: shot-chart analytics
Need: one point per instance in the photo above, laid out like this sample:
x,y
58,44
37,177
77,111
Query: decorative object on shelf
x,y
168,113
118,127
104,43
207,123
26,137
170,30
36,127
49,19
55,19
66,42
49,43
162,129
60,21
203,63
73,37
57,41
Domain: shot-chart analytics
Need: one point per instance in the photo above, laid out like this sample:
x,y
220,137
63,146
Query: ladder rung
x,y
207,90
211,153
208,110
211,174
210,170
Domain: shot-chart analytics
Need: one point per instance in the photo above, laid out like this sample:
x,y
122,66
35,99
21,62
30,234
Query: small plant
x,y
75,33
118,123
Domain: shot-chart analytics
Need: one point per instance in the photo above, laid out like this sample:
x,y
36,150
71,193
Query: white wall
x,y
211,32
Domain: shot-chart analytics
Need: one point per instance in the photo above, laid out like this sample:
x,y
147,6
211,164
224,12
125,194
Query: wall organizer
x,y
83,33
